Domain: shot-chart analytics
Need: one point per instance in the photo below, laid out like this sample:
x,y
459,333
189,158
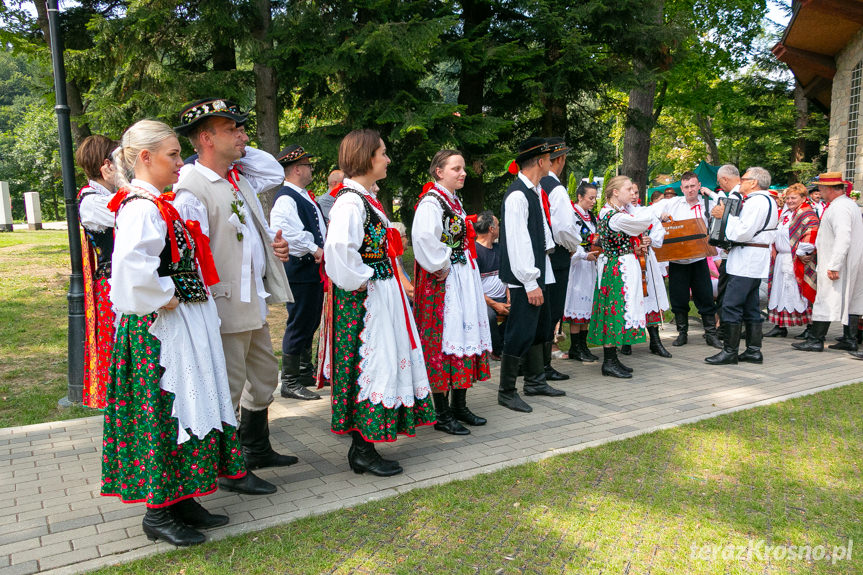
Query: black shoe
x,y
848,341
585,351
856,354
728,354
534,379
681,321
194,515
803,335
815,340
445,420
777,332
752,354
542,389
362,457
656,346
611,367
619,363
579,350
161,524
551,374
507,396
459,409
626,349
249,484
254,432
809,345
292,381
711,336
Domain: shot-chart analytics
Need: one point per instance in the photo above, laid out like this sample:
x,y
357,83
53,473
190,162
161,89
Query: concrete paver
x,y
54,520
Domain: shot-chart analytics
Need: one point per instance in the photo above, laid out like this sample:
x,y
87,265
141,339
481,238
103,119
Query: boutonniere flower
x,y
235,208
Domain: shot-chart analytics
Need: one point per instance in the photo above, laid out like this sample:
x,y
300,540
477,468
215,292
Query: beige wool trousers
x,y
253,370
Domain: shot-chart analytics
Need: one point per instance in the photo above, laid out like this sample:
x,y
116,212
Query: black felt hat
x,y
291,154
200,110
530,148
558,147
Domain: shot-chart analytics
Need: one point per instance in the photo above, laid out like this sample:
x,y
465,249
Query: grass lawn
x,y
34,281
755,484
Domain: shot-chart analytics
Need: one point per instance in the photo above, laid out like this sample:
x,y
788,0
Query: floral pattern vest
x,y
614,244
454,234
373,250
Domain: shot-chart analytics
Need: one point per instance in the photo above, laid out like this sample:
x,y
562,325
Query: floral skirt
x,y
141,461
789,318
375,422
445,371
607,323
98,341
654,318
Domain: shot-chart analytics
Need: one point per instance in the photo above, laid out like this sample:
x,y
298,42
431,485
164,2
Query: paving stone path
x,y
54,520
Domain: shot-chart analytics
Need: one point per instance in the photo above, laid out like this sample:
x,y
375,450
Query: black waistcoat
x,y
303,269
535,228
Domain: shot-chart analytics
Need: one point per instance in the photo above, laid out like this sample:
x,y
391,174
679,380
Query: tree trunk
x,y
471,94
705,127
636,137
266,90
80,128
798,149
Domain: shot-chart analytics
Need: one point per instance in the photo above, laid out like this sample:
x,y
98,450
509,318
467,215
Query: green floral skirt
x,y
141,460
607,323
374,421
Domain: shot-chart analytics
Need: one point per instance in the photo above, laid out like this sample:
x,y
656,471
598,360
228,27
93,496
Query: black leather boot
x,y
777,332
551,374
194,515
803,335
626,349
292,387
610,365
618,362
728,354
458,406
362,457
249,484
585,351
308,370
445,420
656,346
752,354
711,336
815,340
507,396
534,379
848,341
254,435
161,524
681,322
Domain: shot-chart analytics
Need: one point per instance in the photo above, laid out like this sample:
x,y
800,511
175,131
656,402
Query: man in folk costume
x,y
839,269
296,213
94,157
565,232
792,282
525,241
748,263
449,305
248,258
690,275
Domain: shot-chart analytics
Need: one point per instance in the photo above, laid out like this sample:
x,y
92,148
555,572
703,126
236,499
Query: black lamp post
x,y
75,353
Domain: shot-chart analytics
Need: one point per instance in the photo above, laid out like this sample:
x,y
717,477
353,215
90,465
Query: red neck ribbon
x,y
546,206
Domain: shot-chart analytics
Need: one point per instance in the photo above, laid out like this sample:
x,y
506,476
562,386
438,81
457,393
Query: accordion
x,y
716,234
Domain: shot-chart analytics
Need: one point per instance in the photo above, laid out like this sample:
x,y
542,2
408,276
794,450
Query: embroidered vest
x,y
188,285
585,230
303,269
454,234
373,250
614,244
101,242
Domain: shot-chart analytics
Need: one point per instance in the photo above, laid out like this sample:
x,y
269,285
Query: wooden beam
x,y
816,85
850,10
819,64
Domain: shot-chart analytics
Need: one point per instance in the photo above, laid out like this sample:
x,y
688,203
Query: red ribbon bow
x,y
336,189
203,253
234,177
470,236
394,250
168,212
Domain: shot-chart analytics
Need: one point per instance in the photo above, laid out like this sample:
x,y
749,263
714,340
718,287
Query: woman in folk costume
x,y
582,275
170,429
372,353
94,157
618,316
792,282
449,305
656,298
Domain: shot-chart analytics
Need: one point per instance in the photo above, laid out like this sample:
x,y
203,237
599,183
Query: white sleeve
x,y
284,216
261,169
342,259
564,224
136,287
94,212
518,245
841,220
631,224
744,227
430,252
191,208
579,254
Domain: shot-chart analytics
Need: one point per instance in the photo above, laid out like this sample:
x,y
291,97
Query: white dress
x,y
392,373
785,293
582,278
656,299
465,326
191,347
